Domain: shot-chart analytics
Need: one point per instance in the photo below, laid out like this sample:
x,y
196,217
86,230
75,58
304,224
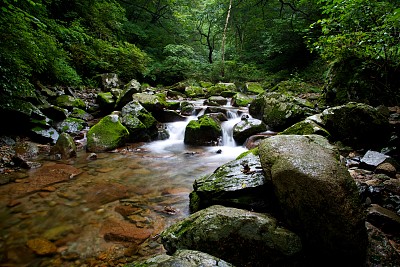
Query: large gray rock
x,y
357,125
238,236
183,258
280,111
141,124
317,197
65,146
125,96
239,183
109,81
246,128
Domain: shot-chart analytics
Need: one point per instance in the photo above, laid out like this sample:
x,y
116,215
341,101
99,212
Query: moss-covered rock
x,y
194,91
106,102
241,100
205,84
187,108
133,87
216,101
317,197
239,183
141,124
107,134
238,236
81,114
152,102
65,146
217,89
204,131
69,102
254,88
357,125
109,81
246,128
71,125
309,126
280,111
53,112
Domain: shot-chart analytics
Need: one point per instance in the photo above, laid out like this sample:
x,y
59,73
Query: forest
x,y
350,49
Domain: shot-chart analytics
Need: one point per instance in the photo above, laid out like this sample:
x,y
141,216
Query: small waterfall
x,y
227,128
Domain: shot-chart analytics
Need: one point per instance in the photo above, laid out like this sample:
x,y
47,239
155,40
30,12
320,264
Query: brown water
x,y
108,214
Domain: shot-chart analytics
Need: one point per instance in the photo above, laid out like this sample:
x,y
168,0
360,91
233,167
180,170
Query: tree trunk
x,y
224,39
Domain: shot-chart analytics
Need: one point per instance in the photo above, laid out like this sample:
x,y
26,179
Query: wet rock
x,y
169,116
357,125
246,128
125,97
81,114
65,146
216,101
58,232
102,193
183,258
107,134
45,135
280,111
187,108
121,231
373,159
241,100
234,235
384,219
311,125
109,81
221,88
317,197
106,102
71,125
92,156
194,91
54,112
141,124
69,102
387,169
42,246
380,249
152,103
239,183
205,131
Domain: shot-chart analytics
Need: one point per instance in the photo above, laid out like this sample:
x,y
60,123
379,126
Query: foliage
x,y
360,39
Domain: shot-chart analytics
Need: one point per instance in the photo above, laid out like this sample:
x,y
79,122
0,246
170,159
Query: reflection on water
x,y
111,212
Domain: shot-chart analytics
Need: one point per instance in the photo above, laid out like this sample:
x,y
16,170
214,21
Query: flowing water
x,y
113,210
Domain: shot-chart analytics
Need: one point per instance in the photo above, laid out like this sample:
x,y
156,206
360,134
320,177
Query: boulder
x,y
81,114
280,111
71,125
357,125
372,159
216,101
182,258
254,88
204,131
142,126
246,128
65,146
311,125
125,97
54,112
44,134
152,103
106,135
187,108
385,219
194,91
241,100
109,81
106,102
219,88
239,183
238,236
69,102
317,197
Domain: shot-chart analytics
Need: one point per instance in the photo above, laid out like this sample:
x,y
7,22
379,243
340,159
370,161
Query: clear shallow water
x,y
85,216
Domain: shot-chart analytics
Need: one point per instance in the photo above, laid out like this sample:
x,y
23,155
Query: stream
x,y
110,210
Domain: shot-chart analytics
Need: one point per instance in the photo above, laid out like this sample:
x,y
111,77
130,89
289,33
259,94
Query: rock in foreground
x,y
238,236
317,197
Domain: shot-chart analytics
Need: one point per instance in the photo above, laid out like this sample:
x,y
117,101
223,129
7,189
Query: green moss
x,y
255,88
147,119
70,102
206,84
242,100
107,134
253,151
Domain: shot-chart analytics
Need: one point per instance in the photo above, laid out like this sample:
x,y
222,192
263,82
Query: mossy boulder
x,y
217,89
106,102
234,235
69,102
239,183
81,114
107,134
65,146
182,258
53,112
141,124
204,131
205,84
317,197
241,100
357,125
194,91
71,125
280,111
216,101
152,102
44,134
133,87
187,108
254,88
246,128
311,125
109,81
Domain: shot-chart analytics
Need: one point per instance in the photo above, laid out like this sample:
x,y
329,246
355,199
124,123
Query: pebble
x,y
42,246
